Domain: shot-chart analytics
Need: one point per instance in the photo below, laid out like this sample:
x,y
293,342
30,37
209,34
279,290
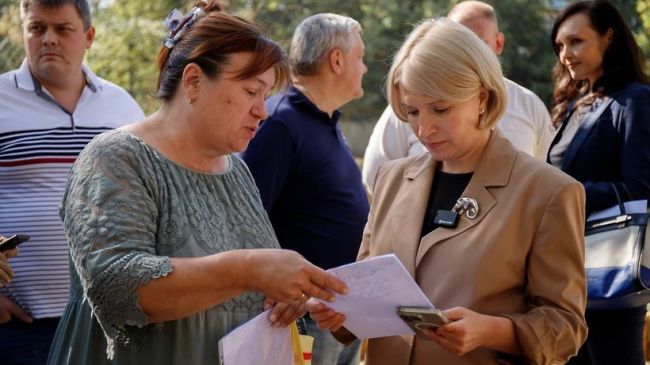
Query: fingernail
x,y
273,318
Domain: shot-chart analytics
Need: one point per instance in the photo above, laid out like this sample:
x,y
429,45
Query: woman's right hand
x,y
285,275
326,318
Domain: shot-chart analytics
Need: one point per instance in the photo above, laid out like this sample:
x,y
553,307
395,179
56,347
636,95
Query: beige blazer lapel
x,y
411,203
494,169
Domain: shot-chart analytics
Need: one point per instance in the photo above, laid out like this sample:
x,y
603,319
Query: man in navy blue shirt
x,y
310,185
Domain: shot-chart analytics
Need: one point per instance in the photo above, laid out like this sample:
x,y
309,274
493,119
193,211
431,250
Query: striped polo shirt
x,y
39,142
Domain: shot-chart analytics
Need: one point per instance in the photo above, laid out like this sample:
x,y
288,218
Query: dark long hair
x,y
623,60
210,41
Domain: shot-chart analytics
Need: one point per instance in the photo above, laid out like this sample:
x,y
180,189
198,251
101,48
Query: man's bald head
x,y
481,19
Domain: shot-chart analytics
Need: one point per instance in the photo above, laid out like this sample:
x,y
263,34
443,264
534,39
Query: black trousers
x,y
615,337
26,343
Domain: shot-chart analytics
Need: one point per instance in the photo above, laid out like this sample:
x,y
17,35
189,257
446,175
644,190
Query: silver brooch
x,y
469,206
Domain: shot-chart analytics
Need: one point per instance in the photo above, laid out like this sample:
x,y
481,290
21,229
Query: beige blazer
x,y
521,257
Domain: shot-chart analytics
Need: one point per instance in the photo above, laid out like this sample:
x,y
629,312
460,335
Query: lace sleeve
x,y
109,215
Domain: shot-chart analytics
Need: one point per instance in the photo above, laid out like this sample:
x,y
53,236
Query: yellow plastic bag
x,y
301,346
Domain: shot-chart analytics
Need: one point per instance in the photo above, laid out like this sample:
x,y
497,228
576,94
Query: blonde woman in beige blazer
x,y
511,277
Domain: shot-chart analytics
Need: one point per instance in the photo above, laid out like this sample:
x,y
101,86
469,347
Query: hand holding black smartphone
x,y
420,319
13,241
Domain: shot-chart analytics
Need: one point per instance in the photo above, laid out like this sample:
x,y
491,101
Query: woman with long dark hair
x,y
602,110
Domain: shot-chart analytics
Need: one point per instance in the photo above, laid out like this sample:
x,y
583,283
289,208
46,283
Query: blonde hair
x,y
445,60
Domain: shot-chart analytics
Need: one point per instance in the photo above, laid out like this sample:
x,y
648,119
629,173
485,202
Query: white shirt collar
x,y
25,80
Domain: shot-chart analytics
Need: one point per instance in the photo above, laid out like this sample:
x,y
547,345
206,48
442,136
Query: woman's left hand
x,y
10,253
283,313
466,331
6,273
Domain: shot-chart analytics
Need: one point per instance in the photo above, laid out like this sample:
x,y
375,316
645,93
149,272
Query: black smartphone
x,y
13,241
420,319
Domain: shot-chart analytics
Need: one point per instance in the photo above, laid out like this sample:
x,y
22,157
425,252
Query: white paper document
x,y
631,207
257,342
377,287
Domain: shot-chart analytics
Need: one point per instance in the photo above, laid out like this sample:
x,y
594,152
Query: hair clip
x,y
469,206
178,24
173,20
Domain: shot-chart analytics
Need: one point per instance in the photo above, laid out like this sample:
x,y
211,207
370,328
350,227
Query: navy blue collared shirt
x,y
308,180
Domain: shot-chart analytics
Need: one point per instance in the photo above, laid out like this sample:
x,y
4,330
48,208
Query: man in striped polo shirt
x,y
50,108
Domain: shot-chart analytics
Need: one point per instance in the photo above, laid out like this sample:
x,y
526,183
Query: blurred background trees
x,y
129,35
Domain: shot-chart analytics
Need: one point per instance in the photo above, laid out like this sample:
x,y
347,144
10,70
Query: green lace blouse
x,y
128,209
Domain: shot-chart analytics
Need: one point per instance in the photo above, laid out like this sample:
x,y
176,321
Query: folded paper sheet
x,y
257,342
377,287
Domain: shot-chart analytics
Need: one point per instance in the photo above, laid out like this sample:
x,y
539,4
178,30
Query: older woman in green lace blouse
x,y
170,245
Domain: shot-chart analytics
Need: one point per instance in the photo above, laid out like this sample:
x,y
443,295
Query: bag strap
x,y
621,205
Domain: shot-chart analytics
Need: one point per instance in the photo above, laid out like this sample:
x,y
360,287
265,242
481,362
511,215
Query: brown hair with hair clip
x,y
210,41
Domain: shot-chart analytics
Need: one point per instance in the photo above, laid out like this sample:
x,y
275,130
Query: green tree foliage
x,y
129,34
386,25
528,56
643,31
11,48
